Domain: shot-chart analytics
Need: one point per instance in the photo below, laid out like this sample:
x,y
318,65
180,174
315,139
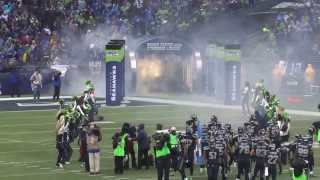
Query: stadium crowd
x,y
303,21
297,27
38,31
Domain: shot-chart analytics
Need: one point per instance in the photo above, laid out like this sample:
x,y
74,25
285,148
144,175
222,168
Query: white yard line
x,y
211,105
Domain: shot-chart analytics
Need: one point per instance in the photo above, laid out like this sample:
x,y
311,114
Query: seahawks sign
x,y
114,58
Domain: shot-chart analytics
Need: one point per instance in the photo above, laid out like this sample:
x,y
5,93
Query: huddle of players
x,y
253,146
73,121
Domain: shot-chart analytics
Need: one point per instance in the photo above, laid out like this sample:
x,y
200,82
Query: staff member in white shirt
x,y
93,139
36,84
245,99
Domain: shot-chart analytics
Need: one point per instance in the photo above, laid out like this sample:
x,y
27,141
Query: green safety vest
x,y
173,140
318,136
301,177
119,150
164,151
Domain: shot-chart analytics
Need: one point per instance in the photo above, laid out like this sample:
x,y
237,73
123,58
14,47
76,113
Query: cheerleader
x,y
59,139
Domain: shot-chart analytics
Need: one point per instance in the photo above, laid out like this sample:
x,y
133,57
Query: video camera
x,y
160,138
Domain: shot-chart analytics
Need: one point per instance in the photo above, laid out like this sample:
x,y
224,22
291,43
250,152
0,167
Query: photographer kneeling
x,y
162,153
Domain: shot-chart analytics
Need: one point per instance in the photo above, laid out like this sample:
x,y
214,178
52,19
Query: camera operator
x,y
174,142
299,167
130,153
120,141
143,147
93,139
162,154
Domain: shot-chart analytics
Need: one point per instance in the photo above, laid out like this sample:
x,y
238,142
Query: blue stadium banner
x,y
115,60
114,83
232,82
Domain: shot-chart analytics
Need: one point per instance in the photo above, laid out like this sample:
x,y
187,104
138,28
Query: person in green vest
x,y
119,143
162,154
299,166
173,144
317,127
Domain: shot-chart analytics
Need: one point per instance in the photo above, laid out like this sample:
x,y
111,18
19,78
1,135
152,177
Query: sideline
x,y
211,105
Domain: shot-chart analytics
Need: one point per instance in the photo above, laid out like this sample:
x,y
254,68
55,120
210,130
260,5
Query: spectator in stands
x,y
36,84
56,81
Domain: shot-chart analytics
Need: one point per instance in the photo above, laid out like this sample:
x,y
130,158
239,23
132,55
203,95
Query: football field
x,y
27,140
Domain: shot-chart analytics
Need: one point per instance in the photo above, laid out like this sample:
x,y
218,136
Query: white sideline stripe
x,y
75,171
110,113
43,110
43,124
211,105
29,164
32,166
172,102
125,106
107,177
104,122
36,105
41,98
45,104
106,128
31,98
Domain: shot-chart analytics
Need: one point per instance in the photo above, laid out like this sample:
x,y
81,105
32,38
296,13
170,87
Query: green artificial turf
x,y
27,141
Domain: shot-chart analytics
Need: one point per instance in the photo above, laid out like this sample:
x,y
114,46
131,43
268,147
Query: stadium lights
x,y
197,54
133,64
199,64
132,54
